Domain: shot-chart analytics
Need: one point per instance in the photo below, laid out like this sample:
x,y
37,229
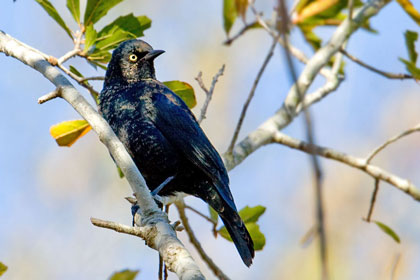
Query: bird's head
x,y
131,62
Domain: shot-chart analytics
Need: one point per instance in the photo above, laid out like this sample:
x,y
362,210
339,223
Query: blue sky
x,y
48,194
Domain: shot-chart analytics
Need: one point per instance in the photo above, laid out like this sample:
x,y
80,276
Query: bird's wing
x,y
176,122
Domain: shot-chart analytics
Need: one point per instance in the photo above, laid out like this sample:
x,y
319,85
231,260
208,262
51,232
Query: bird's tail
x,y
239,234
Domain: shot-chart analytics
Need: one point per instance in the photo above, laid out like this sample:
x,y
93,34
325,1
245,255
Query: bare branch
x,y
359,163
54,94
96,78
251,95
392,140
204,217
180,205
118,227
246,27
373,69
372,201
208,92
158,233
283,28
264,133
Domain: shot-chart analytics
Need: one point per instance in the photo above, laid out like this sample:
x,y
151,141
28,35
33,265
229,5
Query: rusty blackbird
x,y
164,139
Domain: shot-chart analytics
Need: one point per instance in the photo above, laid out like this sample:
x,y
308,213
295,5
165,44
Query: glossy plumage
x,y
164,138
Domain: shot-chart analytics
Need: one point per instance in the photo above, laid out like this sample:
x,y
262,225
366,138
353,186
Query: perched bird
x,y
164,139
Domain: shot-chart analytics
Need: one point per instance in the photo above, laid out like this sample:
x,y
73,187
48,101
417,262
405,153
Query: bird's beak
x,y
153,54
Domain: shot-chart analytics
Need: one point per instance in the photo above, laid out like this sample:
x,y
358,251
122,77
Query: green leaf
x,y
310,36
256,235
68,132
410,38
52,12
251,214
96,9
229,14
74,8
411,68
75,71
125,275
3,268
253,229
183,90
90,37
100,56
120,173
388,231
410,10
213,215
120,30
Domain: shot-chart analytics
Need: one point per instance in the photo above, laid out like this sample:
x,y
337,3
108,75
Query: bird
x,y
164,139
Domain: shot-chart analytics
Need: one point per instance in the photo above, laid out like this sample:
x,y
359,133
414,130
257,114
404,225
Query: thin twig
x,y
350,8
392,140
395,266
76,50
373,69
80,81
208,92
193,239
117,227
251,95
54,94
245,28
203,216
160,269
372,201
283,28
96,78
359,163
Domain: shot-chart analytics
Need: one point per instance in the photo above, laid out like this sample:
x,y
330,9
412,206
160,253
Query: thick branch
x,y
160,235
263,134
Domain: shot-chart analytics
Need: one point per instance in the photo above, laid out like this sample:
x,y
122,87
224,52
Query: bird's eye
x,y
132,57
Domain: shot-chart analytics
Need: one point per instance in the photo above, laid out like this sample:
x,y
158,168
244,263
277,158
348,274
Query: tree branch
x,y
159,234
359,163
208,92
251,95
180,205
264,133
376,70
392,140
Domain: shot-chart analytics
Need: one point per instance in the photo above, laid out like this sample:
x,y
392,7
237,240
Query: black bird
x,y
164,139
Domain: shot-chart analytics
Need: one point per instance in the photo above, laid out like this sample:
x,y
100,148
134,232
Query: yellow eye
x,y
132,57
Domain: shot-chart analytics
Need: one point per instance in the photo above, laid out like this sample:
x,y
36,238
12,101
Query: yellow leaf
x,y
313,9
241,7
410,10
68,132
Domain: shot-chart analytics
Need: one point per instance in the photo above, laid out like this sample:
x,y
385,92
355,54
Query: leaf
x,y
96,9
120,173
410,38
411,68
100,56
256,235
314,8
410,10
310,36
75,71
241,7
251,214
213,215
125,275
52,12
253,229
183,90
90,37
229,14
388,231
3,268
120,30
68,132
74,8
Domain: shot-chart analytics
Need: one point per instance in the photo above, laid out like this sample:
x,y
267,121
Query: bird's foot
x,y
161,186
